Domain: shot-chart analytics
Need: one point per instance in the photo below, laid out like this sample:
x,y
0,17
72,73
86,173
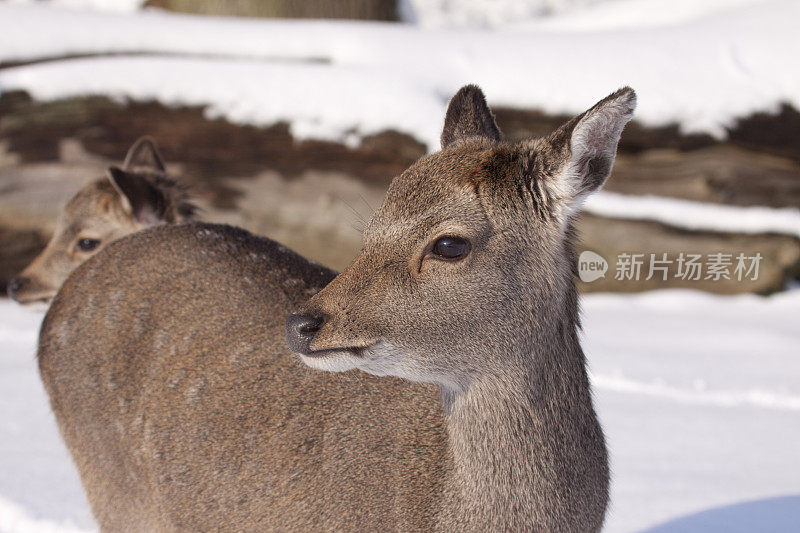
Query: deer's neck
x,y
527,450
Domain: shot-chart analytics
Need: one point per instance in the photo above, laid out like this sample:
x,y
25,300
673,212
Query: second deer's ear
x,y
468,116
590,144
144,153
141,199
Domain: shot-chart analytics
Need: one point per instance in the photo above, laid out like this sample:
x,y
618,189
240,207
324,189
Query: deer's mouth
x,y
357,351
334,360
34,296
36,304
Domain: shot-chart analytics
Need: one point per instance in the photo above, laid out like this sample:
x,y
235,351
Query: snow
x,y
561,14
14,518
483,13
633,14
342,80
119,6
696,215
699,396
333,106
40,490
498,14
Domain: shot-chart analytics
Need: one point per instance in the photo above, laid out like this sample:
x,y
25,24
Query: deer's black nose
x,y
301,330
15,285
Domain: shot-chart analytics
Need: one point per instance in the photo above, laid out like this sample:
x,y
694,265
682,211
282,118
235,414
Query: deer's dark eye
x,y
450,248
87,245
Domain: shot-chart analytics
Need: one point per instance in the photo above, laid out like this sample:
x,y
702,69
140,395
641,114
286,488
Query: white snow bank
x,y
696,215
562,14
318,101
701,74
14,519
119,6
697,348
504,13
697,394
39,487
615,14
484,13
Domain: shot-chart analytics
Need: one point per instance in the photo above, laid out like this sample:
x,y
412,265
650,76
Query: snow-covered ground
x,y
40,490
699,396
502,13
692,215
342,80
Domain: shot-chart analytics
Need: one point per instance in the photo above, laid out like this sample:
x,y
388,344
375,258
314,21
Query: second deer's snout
x,y
15,285
301,330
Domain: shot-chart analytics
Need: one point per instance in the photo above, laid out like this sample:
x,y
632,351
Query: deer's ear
x,y
590,144
468,116
140,198
144,153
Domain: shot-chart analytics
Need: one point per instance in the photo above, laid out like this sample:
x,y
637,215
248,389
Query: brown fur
x,y
167,371
191,414
102,211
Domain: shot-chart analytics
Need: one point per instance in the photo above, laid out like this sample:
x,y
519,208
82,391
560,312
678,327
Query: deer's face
x,y
440,279
90,220
127,200
469,246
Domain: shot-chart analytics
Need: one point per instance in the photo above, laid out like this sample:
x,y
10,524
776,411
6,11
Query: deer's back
x,y
165,361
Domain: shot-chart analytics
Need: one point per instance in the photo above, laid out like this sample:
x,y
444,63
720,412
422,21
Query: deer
x,y
130,198
207,379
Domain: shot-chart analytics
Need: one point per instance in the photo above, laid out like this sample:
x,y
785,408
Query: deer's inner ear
x,y
593,141
577,158
141,199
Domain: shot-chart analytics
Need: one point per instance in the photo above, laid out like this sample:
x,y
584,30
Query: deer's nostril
x,y
301,330
14,286
310,324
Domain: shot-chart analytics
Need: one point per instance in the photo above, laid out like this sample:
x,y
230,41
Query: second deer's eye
x,y
87,245
450,248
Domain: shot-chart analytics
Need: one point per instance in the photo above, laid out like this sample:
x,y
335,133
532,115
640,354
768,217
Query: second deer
x,y
138,195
